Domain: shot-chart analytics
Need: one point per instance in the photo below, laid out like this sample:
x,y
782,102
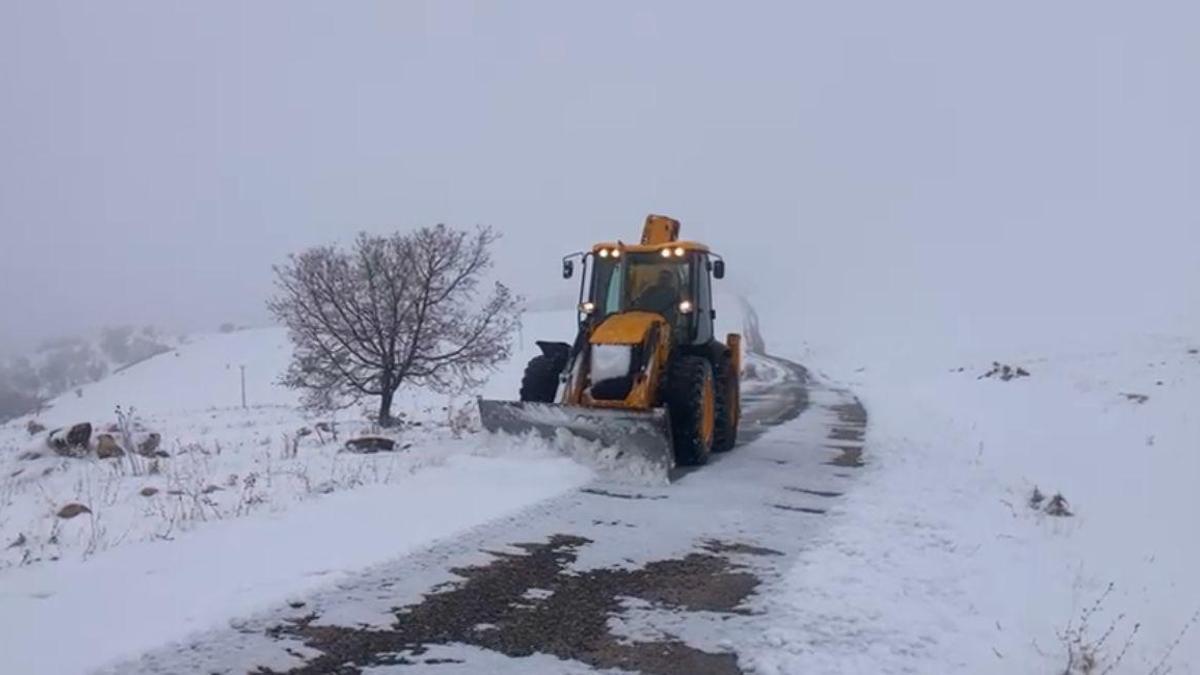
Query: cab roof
x,y
689,246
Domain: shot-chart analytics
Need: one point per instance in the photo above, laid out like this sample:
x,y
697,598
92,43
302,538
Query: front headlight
x,y
685,307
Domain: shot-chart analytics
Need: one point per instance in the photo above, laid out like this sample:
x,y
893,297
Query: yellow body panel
x,y
627,328
708,413
659,230
734,342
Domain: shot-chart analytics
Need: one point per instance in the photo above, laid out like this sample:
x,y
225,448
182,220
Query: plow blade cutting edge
x,y
636,443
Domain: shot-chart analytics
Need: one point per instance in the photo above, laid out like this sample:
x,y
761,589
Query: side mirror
x,y
568,269
719,269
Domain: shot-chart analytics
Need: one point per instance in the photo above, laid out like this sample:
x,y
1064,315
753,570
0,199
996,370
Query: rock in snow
x,y
370,444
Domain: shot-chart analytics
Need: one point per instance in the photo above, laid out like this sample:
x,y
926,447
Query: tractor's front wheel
x,y
729,405
540,382
691,400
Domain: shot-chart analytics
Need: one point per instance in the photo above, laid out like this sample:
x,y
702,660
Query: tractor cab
x,y
660,275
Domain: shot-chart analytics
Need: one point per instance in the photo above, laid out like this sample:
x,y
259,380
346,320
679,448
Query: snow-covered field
x,y
249,507
946,562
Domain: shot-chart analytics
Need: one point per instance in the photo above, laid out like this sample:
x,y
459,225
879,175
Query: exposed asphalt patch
x,y
620,495
570,622
801,509
851,456
815,493
721,547
851,413
612,523
777,407
846,434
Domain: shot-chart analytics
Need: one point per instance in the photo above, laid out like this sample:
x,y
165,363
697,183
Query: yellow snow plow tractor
x,y
646,376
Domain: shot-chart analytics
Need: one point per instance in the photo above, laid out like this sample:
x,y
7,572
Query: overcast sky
x,y
869,166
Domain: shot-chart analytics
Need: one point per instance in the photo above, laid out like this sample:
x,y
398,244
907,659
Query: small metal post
x,y
243,369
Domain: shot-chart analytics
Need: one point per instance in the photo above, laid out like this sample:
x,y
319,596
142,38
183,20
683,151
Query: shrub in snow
x,y
394,310
1086,653
462,419
324,429
127,425
1004,372
34,428
1036,498
1058,506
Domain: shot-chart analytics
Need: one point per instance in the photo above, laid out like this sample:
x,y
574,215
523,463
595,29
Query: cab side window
x,y
704,304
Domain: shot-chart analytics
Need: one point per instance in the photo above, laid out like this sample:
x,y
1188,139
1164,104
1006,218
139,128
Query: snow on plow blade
x,y
635,443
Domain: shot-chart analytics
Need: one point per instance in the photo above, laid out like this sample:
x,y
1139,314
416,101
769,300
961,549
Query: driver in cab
x,y
661,297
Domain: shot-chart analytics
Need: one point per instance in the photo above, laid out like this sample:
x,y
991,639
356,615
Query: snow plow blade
x,y
635,443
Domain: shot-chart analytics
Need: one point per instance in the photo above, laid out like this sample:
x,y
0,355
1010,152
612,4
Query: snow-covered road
x,y
608,578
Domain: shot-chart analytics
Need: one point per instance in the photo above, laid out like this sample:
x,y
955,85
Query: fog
x,y
870,167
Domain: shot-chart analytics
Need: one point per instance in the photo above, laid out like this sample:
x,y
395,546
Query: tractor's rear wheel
x,y
540,382
691,400
729,404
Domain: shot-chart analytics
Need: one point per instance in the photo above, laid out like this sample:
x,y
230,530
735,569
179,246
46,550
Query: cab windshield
x,y
641,281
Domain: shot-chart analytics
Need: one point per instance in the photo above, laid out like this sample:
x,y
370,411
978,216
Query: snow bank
x,y
77,615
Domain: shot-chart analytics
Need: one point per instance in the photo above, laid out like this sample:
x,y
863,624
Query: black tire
x,y
540,382
690,380
729,405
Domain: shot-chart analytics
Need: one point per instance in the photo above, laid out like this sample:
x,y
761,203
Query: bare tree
x,y
394,310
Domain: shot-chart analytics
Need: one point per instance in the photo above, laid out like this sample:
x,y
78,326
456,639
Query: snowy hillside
x,y
259,499
956,557
202,374
191,397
